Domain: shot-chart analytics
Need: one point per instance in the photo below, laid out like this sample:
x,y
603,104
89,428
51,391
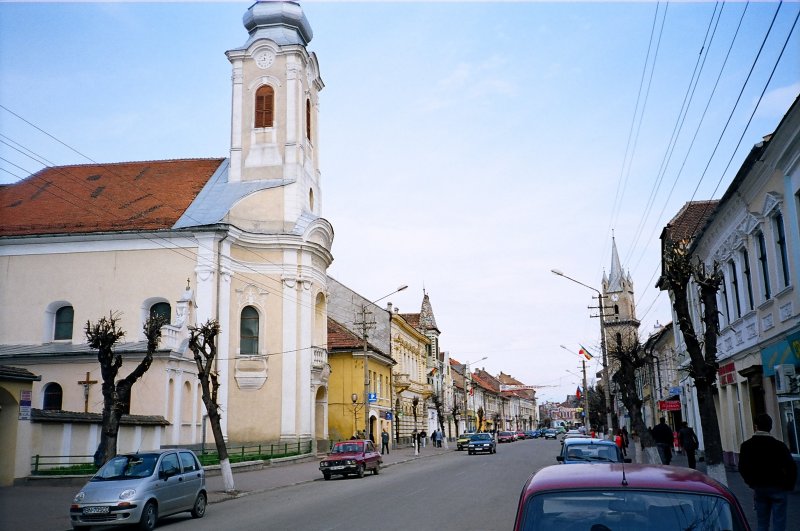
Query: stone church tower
x,y
620,322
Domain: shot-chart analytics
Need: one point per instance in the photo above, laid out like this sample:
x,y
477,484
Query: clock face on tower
x,y
264,59
615,297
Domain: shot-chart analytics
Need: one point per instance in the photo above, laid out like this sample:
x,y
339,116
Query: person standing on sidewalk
x,y
384,442
766,465
689,442
662,434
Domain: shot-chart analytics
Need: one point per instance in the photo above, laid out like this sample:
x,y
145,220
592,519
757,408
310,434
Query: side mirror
x,y
560,458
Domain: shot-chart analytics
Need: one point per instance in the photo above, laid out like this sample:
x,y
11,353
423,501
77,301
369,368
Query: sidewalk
x,y
295,473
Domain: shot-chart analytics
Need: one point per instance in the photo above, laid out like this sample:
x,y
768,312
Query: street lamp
x,y
466,372
365,326
606,386
585,390
354,398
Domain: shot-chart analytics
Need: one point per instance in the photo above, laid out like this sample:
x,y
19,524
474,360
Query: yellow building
x,y
346,385
410,349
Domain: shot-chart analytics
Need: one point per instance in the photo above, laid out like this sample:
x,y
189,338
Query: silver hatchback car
x,y
140,488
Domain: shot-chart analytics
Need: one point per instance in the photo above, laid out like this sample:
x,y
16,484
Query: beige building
x,y
410,347
240,240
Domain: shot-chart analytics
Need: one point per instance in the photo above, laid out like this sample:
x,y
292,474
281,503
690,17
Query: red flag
x,y
578,393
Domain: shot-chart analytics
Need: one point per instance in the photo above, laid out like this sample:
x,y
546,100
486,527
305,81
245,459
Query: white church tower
x,y
620,322
278,244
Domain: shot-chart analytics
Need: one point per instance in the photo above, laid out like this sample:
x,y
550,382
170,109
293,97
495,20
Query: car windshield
x,y
628,510
127,467
348,448
505,433
592,452
482,437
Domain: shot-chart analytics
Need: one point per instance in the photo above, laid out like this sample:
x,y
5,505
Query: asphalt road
x,y
449,491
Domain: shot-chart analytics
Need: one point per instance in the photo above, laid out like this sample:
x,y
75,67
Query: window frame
x,y
745,256
52,395
763,261
251,339
735,288
60,324
264,107
781,249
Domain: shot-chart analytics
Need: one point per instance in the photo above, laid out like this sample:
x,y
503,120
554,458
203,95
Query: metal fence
x,y
62,465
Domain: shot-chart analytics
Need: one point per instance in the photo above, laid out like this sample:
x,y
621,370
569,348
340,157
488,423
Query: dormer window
x,y
265,106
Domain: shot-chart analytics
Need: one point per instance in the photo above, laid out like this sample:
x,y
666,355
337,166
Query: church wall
x,y
94,283
254,382
260,212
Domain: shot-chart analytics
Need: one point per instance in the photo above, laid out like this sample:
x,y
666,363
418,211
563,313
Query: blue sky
x,y
466,148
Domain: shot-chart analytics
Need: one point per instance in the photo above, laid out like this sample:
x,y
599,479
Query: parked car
x,y
580,450
505,437
574,434
521,435
550,433
140,488
463,441
482,442
626,497
351,457
532,434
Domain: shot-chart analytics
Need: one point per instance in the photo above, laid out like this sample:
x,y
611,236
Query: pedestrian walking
x,y
625,437
619,440
423,438
766,465
662,434
689,443
384,442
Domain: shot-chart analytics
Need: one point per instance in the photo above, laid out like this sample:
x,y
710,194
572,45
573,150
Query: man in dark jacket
x,y
766,465
689,443
662,434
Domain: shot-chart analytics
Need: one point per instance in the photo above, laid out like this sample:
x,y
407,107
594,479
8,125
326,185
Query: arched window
x,y
308,120
248,331
52,397
265,106
63,328
162,309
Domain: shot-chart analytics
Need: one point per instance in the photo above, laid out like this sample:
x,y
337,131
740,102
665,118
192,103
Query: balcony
x,y
320,370
401,382
319,359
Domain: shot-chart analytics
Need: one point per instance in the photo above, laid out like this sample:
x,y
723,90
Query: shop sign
x,y
25,405
669,405
786,351
727,374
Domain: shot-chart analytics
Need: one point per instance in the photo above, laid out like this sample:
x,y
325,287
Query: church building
x,y
241,240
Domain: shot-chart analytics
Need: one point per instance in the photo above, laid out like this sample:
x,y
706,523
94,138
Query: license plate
x,y
337,467
95,510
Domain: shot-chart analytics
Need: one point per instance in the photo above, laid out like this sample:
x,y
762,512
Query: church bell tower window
x,y
265,104
308,120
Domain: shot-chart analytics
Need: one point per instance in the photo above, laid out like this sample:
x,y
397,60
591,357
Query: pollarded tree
x,y
103,335
630,356
439,407
678,272
455,411
203,344
480,418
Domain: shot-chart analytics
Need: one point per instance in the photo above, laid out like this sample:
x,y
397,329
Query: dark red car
x,y
505,436
351,457
626,497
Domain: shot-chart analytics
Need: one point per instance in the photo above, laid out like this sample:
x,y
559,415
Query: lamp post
x,y
354,398
466,372
606,386
365,326
586,421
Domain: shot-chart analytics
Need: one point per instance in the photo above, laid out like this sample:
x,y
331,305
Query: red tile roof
x,y
689,220
341,338
150,195
412,319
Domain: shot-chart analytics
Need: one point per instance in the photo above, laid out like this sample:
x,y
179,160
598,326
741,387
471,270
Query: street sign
x,y
388,415
372,397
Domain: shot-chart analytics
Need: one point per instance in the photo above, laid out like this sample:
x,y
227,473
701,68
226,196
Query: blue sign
x,y
388,415
372,397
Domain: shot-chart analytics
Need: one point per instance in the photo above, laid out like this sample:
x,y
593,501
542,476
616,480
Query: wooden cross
x,y
86,383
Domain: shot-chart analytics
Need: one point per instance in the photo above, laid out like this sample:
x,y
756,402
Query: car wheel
x,y
377,469
470,452
149,517
199,508
360,471
326,475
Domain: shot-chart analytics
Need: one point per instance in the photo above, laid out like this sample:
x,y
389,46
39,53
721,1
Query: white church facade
x,y
241,240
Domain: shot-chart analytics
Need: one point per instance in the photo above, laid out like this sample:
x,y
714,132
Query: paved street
x,y
438,489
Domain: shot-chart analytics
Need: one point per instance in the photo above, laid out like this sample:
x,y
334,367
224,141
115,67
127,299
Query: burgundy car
x,y
505,436
351,457
632,497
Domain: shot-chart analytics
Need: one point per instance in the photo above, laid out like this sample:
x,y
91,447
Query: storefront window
x,y
790,412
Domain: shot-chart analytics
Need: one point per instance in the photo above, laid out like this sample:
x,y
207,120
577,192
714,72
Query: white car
x,y
139,488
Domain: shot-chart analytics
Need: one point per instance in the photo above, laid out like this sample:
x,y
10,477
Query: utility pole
x,y
606,368
365,326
